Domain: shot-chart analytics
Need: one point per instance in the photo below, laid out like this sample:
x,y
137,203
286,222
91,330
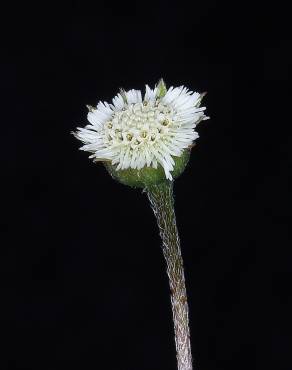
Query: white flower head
x,y
136,131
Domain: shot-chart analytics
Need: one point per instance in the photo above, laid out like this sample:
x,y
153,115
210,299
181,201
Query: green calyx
x,y
148,176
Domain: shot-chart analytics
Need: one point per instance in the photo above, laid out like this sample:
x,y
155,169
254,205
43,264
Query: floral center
x,y
139,124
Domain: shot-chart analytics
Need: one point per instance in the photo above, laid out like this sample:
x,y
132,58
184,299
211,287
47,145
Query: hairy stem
x,y
162,202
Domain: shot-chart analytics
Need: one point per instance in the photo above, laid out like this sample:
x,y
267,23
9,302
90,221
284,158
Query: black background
x,y
84,282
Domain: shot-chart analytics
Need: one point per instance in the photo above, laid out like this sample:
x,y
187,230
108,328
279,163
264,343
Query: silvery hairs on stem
x,y
145,142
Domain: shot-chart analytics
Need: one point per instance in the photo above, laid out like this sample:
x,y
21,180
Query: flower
x,y
135,132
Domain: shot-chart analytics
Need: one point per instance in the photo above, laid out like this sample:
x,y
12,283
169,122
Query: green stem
x,y
162,202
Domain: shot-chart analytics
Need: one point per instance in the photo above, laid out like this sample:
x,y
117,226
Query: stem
x,y
162,202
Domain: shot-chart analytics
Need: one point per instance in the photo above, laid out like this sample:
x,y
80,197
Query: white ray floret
x,y
135,132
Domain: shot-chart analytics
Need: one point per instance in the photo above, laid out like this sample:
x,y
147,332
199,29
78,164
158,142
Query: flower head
x,y
134,132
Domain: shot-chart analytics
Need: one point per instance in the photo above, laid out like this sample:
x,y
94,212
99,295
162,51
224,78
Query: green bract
x,y
148,176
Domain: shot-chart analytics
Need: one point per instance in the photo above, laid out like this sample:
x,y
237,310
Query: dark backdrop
x,y
84,281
